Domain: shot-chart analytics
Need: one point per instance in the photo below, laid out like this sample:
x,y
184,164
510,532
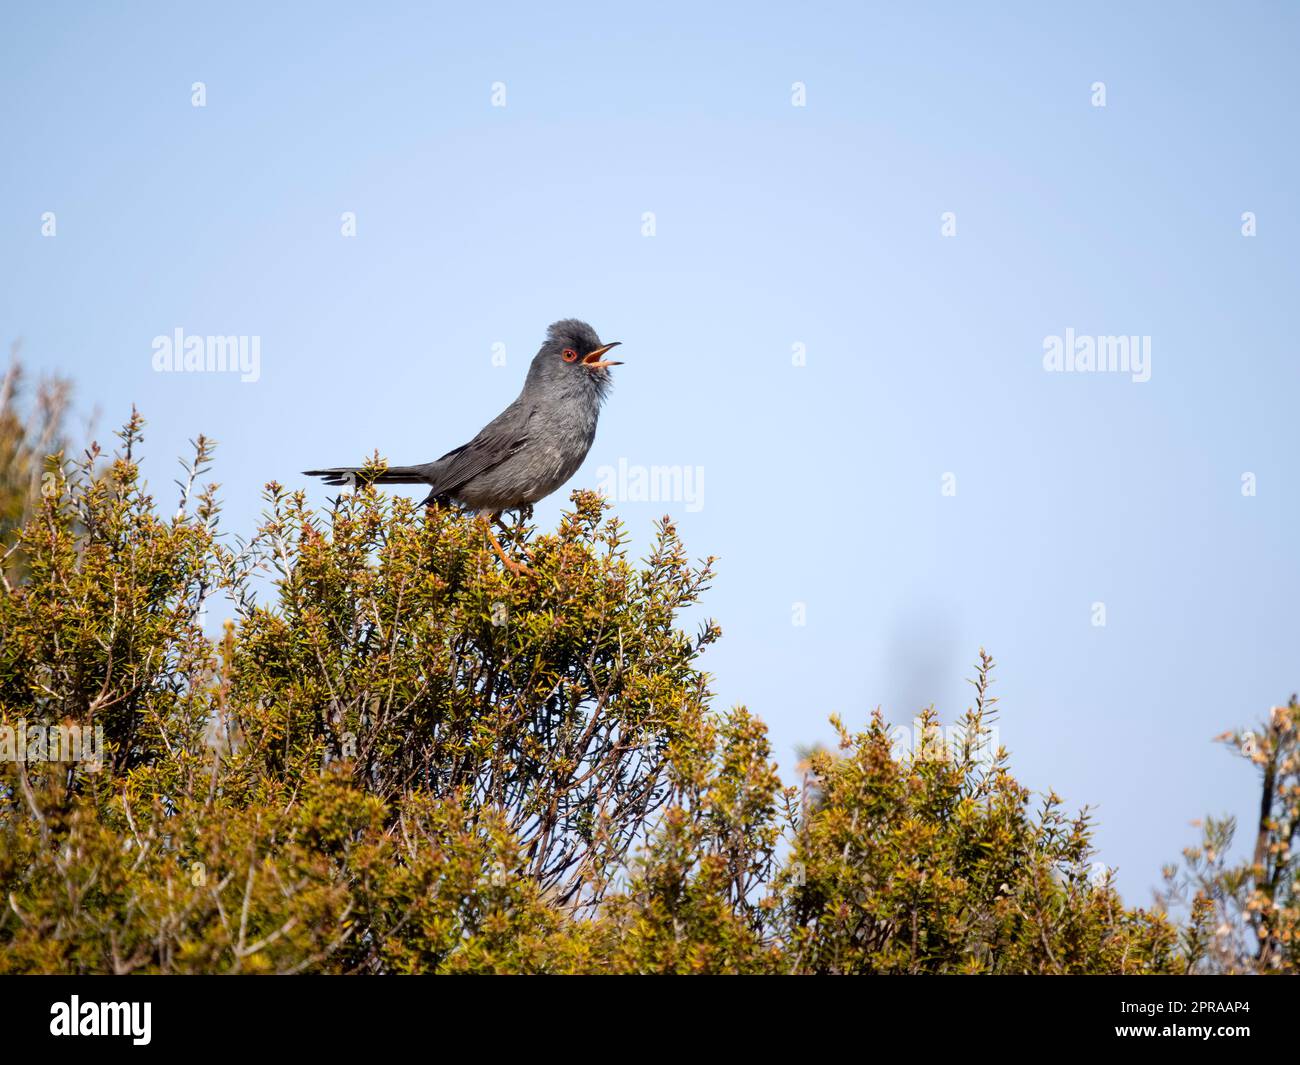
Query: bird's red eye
x,y
570,355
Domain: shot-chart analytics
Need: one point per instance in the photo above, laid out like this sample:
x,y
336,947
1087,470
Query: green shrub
x,y
401,758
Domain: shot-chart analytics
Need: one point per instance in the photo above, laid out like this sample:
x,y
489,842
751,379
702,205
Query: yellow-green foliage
x,y
1243,916
26,437
400,758
933,862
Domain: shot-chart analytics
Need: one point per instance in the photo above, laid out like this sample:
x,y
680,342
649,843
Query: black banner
x,y
167,1014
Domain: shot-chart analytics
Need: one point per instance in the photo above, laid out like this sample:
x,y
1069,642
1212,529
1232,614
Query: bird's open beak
x,y
593,360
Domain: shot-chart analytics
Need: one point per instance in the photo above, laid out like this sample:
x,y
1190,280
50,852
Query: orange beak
x,y
593,360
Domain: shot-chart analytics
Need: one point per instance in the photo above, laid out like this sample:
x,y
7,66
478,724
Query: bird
x,y
528,450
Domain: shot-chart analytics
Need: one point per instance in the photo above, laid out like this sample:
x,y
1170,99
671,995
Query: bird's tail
x,y
353,475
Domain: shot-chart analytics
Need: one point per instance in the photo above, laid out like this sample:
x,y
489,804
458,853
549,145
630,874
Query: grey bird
x,y
528,450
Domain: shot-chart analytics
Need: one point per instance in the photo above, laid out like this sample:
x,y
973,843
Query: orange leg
x,y
511,564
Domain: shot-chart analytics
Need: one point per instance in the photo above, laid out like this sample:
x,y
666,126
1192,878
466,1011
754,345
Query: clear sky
x,y
775,225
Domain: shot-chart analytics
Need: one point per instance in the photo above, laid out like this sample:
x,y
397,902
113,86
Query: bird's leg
x,y
511,564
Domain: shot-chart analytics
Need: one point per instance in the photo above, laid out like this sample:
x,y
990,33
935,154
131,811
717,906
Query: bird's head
x,y
572,354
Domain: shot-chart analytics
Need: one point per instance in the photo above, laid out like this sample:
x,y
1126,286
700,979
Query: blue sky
x,y
775,226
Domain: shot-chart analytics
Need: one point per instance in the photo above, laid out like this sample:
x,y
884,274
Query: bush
x,y
401,758
1244,916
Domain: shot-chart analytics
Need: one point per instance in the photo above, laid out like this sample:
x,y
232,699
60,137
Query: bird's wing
x,y
496,442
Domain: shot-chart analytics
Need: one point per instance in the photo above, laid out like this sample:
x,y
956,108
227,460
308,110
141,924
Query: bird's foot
x,y
514,567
